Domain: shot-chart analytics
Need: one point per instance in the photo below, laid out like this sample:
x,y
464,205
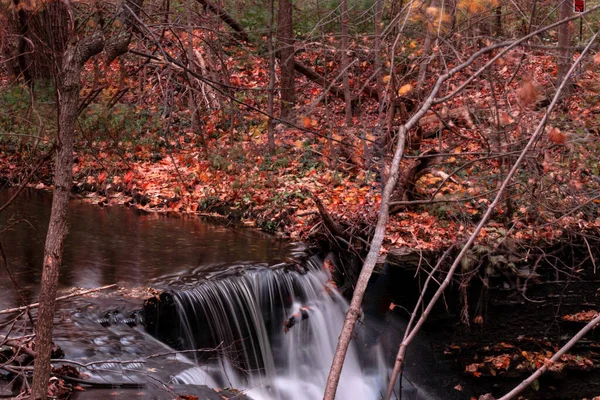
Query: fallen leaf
x,y
405,89
527,93
556,136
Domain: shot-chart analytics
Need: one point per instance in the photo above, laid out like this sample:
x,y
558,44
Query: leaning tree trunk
x,y
67,90
353,312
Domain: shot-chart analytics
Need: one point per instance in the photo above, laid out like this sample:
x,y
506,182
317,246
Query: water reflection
x,y
119,245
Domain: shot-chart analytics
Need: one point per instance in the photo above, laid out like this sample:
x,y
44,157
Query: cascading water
x,y
276,332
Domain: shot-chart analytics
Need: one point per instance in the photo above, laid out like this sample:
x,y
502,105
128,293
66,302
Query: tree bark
x,y
564,41
67,90
22,59
345,77
285,41
378,40
499,20
271,94
427,47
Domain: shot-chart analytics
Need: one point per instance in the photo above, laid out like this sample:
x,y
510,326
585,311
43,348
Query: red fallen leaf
x,y
307,122
102,177
128,177
556,136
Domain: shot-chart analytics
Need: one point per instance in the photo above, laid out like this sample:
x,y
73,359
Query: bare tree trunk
x,y
378,63
67,77
285,42
24,43
67,91
499,20
192,100
427,46
345,78
564,41
271,94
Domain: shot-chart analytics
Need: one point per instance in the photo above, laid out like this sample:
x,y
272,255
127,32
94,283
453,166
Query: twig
x,y
35,305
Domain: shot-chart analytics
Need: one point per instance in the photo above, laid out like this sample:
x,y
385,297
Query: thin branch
x,y
35,305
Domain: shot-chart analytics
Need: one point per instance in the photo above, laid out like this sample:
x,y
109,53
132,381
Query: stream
x,y
263,306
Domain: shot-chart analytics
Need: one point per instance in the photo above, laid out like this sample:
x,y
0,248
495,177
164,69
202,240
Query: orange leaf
x,y
306,122
556,136
405,89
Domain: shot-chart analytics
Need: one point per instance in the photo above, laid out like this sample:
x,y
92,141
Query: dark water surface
x,y
120,245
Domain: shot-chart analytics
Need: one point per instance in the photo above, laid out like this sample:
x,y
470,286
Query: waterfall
x,y
275,332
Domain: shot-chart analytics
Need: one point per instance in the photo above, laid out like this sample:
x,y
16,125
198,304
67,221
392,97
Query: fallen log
x,y
35,305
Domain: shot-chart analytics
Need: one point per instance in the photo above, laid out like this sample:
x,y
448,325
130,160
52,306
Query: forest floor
x,y
127,153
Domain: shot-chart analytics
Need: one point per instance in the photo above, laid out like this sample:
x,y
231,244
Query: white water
x,y
283,366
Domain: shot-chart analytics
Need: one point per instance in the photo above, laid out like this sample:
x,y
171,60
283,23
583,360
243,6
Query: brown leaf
x,y
527,94
556,136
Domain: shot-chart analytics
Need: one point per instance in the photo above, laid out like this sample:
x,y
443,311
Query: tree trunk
x,y
377,62
192,99
67,93
499,20
271,94
345,77
68,98
286,49
565,54
427,47
22,59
